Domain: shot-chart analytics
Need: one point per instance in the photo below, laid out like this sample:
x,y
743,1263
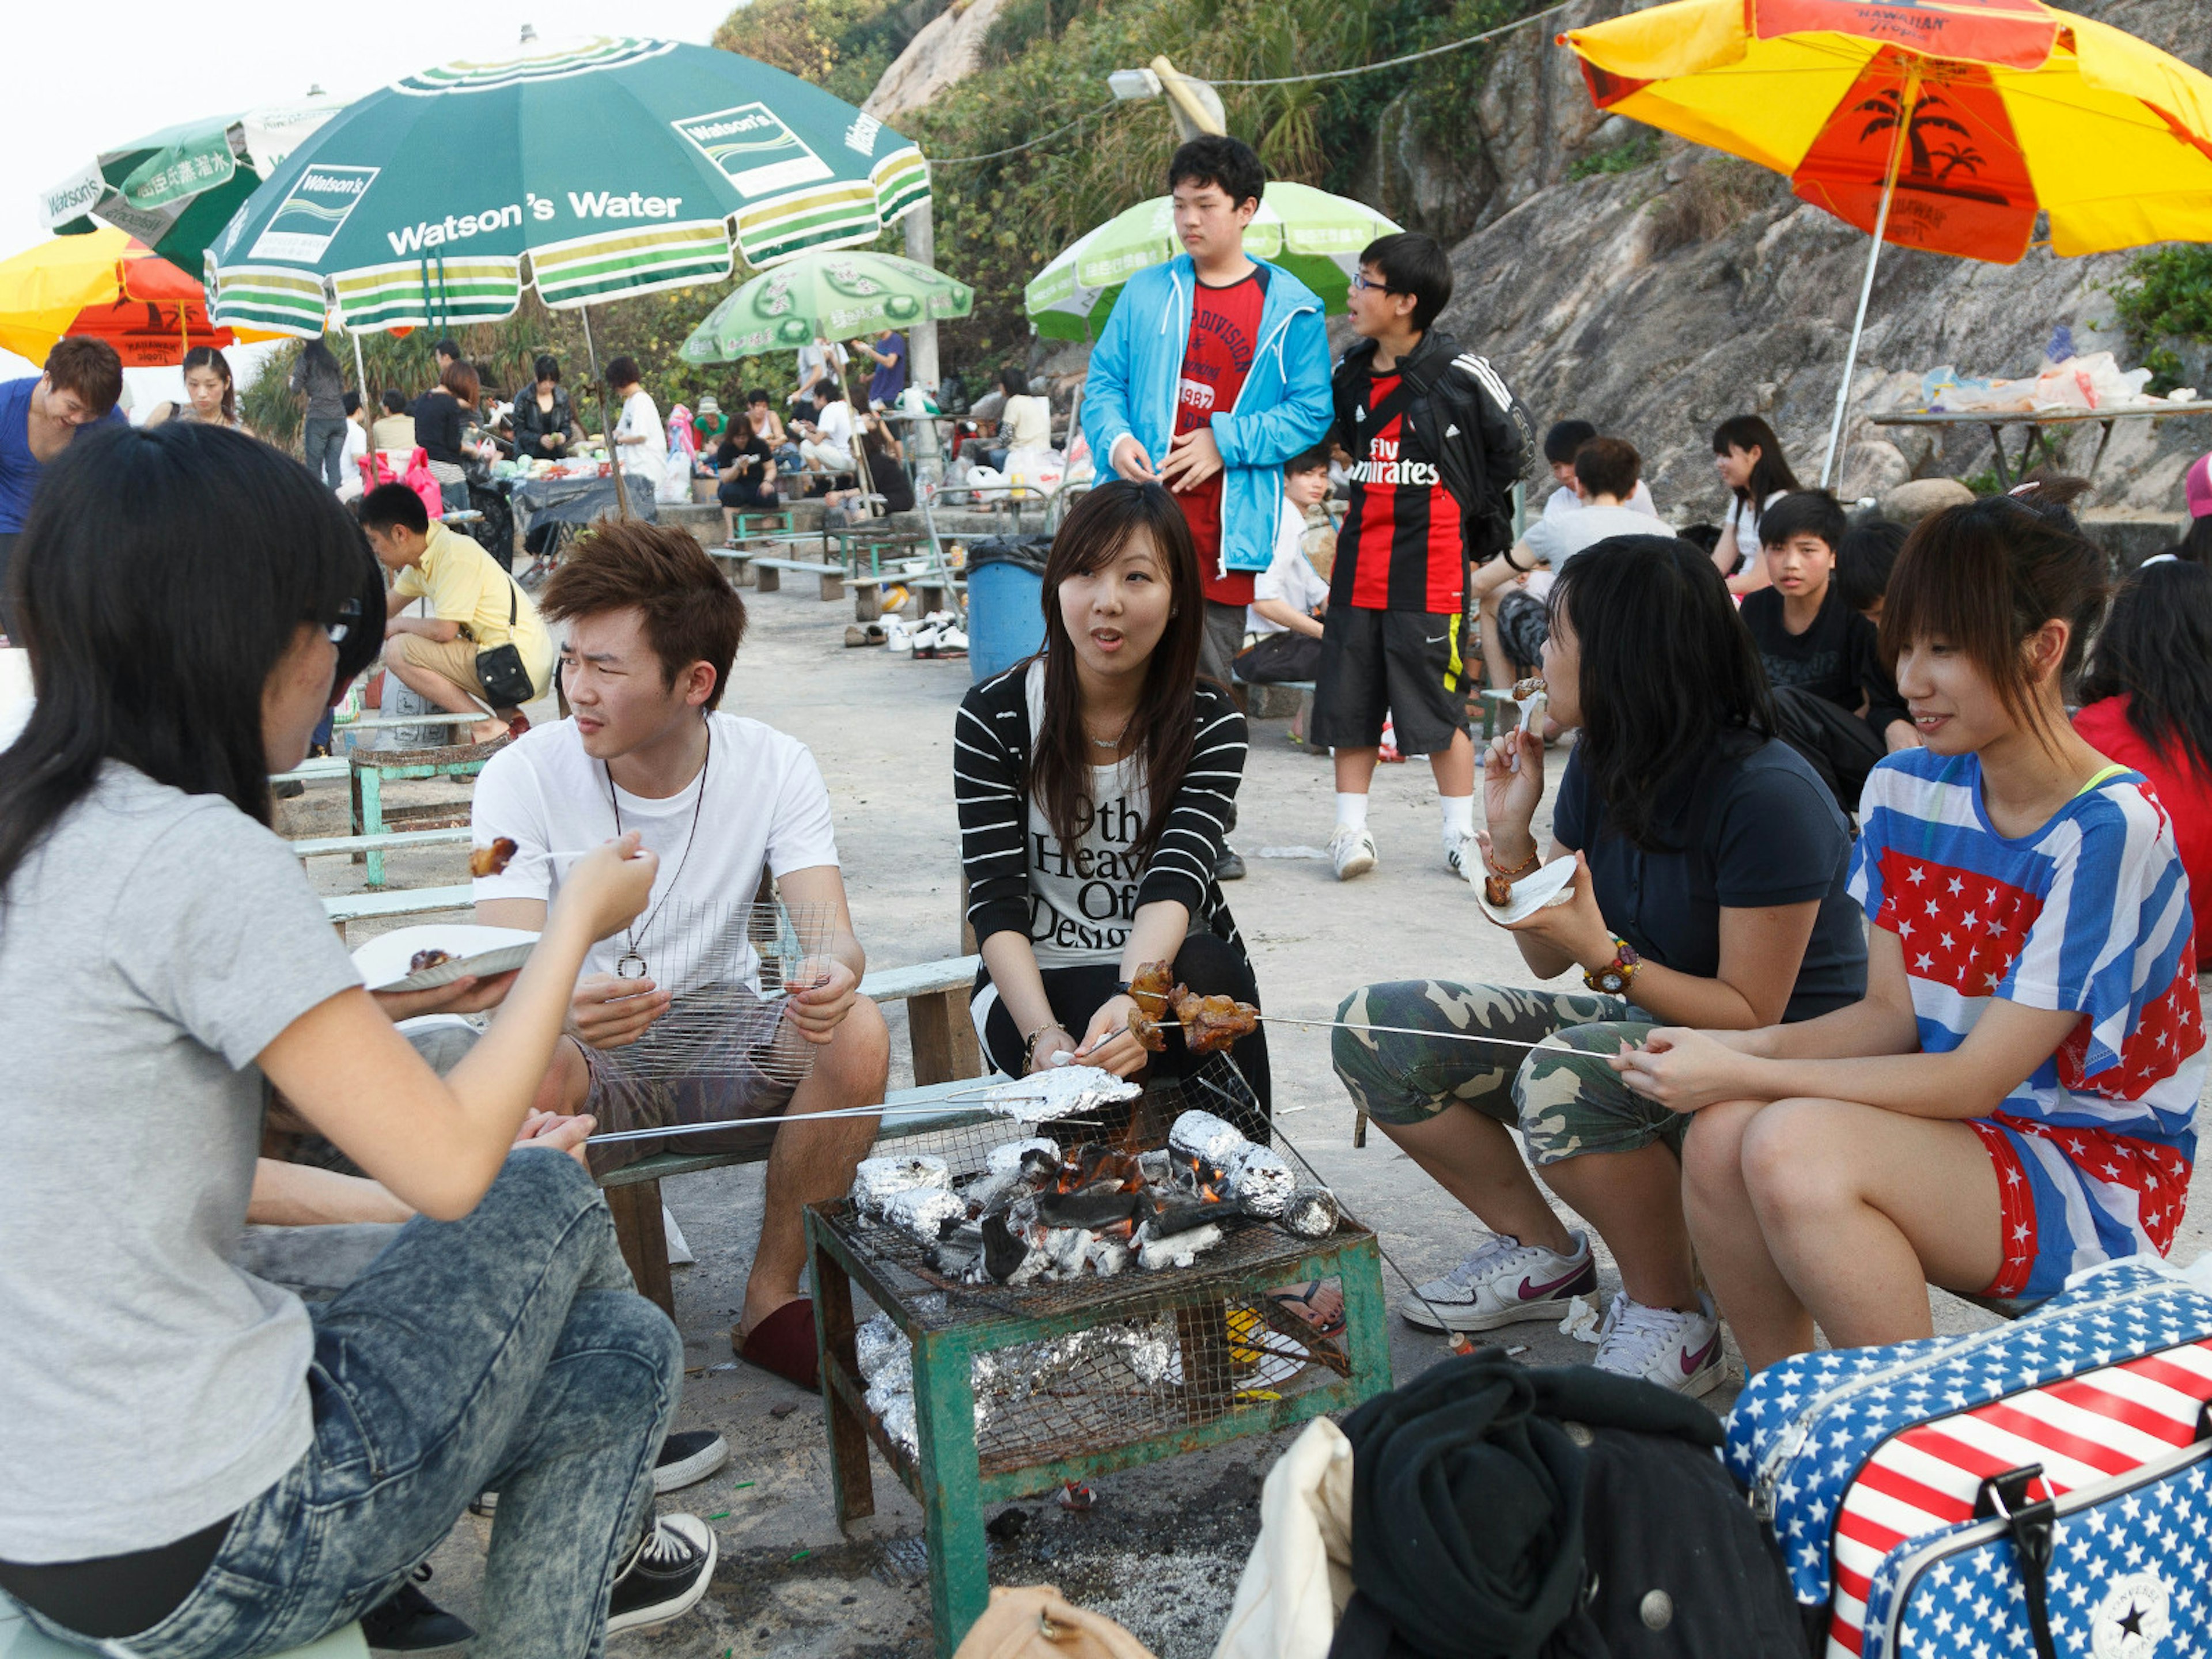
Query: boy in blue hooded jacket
x,y
1212,371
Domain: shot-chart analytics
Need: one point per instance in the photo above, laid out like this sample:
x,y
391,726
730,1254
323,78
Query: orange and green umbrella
x,y
112,288
1946,126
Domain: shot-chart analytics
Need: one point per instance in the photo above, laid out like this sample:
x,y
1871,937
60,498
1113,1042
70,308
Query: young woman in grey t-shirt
x,y
197,1465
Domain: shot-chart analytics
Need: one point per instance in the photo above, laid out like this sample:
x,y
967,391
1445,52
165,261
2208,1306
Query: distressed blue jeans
x,y
506,1351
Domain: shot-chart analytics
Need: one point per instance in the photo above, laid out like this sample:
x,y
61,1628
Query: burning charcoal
x,y
1003,1249
1012,1164
1068,1246
1098,1205
1173,1212
924,1213
1108,1257
1178,1251
1155,1167
1311,1212
1261,1182
959,1256
1205,1137
878,1180
882,1347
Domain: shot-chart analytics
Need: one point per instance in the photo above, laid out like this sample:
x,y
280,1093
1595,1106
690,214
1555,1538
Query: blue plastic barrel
x,y
1005,615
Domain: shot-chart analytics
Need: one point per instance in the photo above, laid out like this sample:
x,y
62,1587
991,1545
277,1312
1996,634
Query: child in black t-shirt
x,y
746,470
1835,702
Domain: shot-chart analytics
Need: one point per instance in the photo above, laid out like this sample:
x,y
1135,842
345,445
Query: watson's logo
x,y
313,215
750,147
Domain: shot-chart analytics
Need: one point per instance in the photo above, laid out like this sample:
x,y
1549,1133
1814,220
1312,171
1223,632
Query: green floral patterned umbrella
x,y
1314,235
587,170
840,296
174,190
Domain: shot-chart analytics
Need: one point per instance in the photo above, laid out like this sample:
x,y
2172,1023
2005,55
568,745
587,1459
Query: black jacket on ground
x,y
1507,1513
1463,419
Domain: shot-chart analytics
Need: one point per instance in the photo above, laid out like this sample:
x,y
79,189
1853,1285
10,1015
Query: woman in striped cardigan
x,y
1095,783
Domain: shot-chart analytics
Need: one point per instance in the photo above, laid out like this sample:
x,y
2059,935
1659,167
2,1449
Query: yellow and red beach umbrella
x,y
110,287
1946,125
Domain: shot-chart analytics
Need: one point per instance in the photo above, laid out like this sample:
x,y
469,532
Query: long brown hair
x,y
1982,577
1095,533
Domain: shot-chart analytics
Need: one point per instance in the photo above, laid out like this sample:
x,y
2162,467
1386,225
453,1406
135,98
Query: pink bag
x,y
376,470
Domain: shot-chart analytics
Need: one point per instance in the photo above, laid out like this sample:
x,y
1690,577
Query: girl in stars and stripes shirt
x,y
2016,1097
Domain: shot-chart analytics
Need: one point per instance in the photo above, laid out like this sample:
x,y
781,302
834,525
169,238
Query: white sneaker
x,y
1677,1350
1503,1283
898,635
1459,852
1352,851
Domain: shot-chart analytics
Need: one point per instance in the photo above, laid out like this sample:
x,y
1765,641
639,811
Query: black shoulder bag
x,y
499,670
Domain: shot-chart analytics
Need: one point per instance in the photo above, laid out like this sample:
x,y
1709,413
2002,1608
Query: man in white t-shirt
x,y
826,444
678,1019
1289,597
1560,443
1510,590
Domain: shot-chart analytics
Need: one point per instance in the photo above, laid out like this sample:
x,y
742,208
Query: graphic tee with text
x,y
1401,547
1224,333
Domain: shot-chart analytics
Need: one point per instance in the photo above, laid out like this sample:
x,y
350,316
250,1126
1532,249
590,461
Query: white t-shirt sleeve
x,y
802,836
510,801
1560,502
1640,500
1274,582
1545,540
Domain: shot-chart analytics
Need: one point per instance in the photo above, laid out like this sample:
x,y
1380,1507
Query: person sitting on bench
x,y
476,608
652,630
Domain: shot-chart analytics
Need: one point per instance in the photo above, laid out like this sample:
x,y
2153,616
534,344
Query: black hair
x,y
757,395
446,348
1770,471
1013,382
316,353
163,574
1212,159
1314,459
1608,466
622,370
1804,512
1413,264
545,368
1668,672
208,357
2051,494
832,392
2196,543
395,401
1864,558
1565,438
2156,651
394,506
351,401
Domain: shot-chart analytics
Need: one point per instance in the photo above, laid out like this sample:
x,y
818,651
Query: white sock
x,y
1459,814
1352,810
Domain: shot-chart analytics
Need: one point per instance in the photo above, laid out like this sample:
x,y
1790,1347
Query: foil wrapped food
x,y
1061,1092
1210,1139
1260,1181
881,1347
879,1179
1311,1212
925,1214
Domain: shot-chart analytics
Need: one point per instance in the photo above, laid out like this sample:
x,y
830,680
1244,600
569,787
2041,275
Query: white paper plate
x,y
480,950
1552,883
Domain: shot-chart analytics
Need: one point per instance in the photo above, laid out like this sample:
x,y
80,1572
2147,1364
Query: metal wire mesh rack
x,y
979,1392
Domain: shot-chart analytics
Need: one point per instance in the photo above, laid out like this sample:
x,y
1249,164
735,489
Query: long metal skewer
x,y
613,1135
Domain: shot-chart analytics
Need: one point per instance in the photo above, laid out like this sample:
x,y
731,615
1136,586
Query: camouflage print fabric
x,y
1563,1096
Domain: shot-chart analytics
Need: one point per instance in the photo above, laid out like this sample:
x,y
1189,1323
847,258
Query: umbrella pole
x,y
1866,287
606,418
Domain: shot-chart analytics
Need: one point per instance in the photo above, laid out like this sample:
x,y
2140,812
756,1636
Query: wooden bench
x,y
768,574
735,562
947,1060
937,590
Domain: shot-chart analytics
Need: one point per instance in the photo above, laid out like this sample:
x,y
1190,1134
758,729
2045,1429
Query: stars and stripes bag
x,y
2045,1487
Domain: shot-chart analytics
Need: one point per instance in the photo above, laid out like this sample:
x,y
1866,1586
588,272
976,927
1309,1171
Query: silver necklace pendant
x,y
624,968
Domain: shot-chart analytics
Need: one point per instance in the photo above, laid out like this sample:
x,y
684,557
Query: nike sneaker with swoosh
x,y
1502,1283
1676,1349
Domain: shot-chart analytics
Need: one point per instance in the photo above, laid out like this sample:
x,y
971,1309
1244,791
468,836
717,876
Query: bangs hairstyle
x,y
163,574
1096,532
2153,651
1982,576
1770,471
691,613
1668,672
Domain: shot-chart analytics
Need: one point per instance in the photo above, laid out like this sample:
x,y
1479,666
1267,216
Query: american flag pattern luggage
x,y
1897,1478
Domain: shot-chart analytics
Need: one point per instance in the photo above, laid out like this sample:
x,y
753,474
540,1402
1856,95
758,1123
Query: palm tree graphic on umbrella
x,y
1886,107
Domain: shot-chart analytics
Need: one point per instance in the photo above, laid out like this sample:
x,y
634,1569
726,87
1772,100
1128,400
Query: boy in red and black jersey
x,y
1436,442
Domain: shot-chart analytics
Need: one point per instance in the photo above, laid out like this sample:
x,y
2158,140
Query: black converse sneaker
x,y
666,1575
408,1621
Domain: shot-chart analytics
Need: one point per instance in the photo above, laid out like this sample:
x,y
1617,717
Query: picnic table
x,y
576,500
2038,423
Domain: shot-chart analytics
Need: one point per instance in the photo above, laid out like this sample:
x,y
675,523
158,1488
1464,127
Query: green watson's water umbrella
x,y
838,296
1314,235
590,170
176,189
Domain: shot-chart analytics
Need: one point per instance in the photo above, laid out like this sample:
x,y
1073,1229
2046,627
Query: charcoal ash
x,y
1178,1251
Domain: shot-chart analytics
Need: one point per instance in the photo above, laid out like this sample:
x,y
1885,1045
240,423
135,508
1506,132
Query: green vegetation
x,y
1641,151
2167,296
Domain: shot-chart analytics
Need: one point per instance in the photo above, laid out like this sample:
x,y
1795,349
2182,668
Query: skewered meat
x,y
1149,990
1148,1031
422,959
1497,891
1214,1022
492,860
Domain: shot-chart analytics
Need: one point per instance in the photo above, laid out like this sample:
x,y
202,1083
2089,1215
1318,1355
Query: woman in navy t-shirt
x,y
1709,889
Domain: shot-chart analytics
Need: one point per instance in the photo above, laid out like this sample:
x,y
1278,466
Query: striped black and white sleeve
x,y
1181,864
987,788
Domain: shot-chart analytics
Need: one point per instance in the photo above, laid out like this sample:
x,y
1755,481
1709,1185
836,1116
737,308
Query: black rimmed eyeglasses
x,y
1362,283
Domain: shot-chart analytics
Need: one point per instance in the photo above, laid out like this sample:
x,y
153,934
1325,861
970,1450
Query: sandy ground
x,y
1162,1550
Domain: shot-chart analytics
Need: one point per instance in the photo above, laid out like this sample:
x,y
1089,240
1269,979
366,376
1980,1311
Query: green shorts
x,y
1562,1096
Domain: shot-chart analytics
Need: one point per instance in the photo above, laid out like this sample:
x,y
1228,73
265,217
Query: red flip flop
x,y
784,1343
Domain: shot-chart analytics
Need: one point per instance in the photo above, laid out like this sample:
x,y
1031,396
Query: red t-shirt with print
x,y
1225,333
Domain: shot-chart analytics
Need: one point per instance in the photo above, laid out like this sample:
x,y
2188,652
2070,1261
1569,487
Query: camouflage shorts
x,y
1562,1096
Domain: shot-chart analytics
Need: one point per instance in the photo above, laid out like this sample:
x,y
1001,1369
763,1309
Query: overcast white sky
x,y
82,78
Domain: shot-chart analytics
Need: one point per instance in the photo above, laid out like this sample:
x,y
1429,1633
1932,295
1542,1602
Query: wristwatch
x,y
1617,975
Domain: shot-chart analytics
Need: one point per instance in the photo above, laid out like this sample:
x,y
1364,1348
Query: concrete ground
x,y
1162,1550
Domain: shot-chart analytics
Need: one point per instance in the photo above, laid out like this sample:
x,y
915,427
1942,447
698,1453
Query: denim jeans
x,y
324,440
505,1351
